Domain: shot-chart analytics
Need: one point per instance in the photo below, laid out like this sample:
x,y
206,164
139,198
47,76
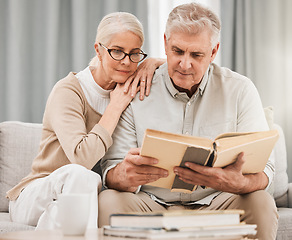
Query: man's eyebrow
x,y
198,53
201,53
175,47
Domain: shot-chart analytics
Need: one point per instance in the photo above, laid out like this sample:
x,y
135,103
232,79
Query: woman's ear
x,y
97,51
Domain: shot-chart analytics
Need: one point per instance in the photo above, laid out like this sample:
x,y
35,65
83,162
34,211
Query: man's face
x,y
188,57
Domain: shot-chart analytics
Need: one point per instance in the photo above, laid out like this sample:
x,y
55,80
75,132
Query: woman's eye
x,y
115,51
135,54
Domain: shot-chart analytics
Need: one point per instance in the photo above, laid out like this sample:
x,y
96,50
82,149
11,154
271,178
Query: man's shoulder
x,y
225,73
160,72
158,86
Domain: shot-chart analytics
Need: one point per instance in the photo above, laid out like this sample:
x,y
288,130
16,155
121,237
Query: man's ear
x,y
165,45
214,52
97,51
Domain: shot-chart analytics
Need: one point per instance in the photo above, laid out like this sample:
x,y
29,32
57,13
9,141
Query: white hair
x,y
193,18
114,23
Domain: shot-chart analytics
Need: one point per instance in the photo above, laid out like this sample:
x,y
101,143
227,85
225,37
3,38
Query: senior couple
x,y
93,117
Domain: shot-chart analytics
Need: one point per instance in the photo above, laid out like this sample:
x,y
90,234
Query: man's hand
x,y
134,171
229,179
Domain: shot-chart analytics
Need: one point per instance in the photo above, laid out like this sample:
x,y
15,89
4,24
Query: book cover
x,y
183,219
234,232
175,149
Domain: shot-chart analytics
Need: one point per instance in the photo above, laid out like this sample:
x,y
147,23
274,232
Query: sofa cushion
x,y
280,184
269,114
7,226
285,224
19,143
281,177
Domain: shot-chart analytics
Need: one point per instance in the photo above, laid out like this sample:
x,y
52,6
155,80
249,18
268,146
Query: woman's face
x,y
114,71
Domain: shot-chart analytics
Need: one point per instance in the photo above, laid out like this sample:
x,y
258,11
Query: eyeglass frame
x,y
109,50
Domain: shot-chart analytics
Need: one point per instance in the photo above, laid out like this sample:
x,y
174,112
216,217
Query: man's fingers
x,y
153,175
152,171
239,162
134,151
198,168
135,157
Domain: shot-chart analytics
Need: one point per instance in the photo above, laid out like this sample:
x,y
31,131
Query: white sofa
x,y
19,144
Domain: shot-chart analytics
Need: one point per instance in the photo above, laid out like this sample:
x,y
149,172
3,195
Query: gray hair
x,y
114,23
193,18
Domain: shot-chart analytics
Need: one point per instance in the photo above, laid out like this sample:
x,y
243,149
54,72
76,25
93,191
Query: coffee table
x,y
91,234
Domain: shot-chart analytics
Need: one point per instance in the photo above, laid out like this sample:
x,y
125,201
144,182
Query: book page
x,y
257,148
227,141
180,138
233,134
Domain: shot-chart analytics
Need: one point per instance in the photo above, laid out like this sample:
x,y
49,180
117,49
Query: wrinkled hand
x,y
119,98
143,75
228,179
134,171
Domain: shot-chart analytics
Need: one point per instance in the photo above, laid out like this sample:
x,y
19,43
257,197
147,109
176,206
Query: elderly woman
x,y
81,114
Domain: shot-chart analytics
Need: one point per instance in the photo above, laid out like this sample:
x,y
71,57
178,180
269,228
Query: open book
x,y
175,149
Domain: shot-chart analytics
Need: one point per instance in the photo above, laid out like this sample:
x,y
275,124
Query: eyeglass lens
x,y
119,55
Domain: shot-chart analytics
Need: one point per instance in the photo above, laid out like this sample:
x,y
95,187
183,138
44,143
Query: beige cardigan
x,y
70,134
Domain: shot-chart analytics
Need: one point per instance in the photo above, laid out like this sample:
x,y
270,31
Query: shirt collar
x,y
174,92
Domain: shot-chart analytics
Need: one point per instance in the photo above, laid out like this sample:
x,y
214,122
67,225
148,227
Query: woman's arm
x,y
119,100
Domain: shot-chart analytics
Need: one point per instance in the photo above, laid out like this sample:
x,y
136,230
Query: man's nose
x,y
185,62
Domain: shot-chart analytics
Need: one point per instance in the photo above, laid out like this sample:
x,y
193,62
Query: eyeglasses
x,y
119,55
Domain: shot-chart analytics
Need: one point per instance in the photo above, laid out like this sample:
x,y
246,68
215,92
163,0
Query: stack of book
x,y
198,224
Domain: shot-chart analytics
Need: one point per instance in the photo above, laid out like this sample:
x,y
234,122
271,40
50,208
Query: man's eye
x,y
196,55
178,52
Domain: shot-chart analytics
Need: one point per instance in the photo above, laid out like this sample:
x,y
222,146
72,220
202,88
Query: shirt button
x,y
189,103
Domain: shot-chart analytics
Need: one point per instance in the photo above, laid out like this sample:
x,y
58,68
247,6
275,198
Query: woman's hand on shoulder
x,y
142,79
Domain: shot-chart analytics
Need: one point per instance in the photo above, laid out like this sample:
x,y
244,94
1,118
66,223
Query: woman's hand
x,y
143,75
123,94
119,100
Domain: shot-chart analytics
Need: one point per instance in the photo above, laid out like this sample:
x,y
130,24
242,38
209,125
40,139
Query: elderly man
x,y
190,95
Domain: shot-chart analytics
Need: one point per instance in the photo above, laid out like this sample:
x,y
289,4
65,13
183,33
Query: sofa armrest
x,y
290,195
